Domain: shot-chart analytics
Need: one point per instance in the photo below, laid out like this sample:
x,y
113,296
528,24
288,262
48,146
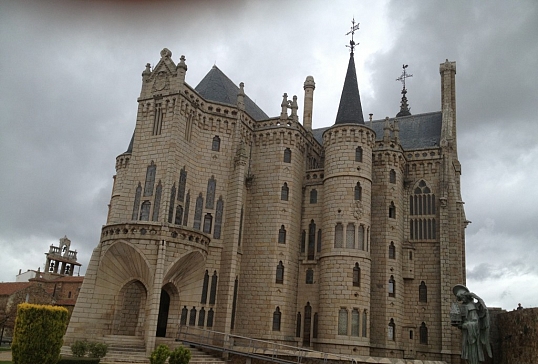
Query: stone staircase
x,y
132,350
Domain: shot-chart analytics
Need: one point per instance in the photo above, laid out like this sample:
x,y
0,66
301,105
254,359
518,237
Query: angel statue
x,y
472,318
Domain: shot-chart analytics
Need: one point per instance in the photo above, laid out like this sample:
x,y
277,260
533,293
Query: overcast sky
x,y
70,74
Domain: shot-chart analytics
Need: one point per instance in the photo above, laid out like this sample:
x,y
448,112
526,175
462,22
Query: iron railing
x,y
253,348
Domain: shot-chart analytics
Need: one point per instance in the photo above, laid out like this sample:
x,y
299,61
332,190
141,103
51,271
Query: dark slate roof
x,y
216,86
350,108
130,147
416,131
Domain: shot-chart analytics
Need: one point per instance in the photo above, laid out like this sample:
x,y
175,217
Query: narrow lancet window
x,y
287,155
150,179
157,202
136,204
198,212
284,192
358,192
215,146
218,218
282,235
210,196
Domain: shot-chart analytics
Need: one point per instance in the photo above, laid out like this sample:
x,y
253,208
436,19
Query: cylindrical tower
x,y
268,295
345,257
309,87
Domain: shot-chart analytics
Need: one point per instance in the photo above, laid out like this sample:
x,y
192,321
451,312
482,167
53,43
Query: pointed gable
x,y
350,108
216,86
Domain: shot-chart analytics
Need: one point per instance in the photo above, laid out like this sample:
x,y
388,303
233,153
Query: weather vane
x,y
352,32
404,76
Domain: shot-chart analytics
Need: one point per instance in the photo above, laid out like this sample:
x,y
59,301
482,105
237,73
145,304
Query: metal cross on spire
x,y
404,76
352,32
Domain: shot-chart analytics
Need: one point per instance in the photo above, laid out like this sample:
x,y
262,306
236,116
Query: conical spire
x,y
350,109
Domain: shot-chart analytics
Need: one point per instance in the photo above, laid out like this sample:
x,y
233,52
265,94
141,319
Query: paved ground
x,y
5,355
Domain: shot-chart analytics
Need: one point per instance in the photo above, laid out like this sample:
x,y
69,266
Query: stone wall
x,y
518,337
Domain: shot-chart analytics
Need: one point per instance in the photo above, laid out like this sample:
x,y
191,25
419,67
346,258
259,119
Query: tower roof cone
x,y
350,109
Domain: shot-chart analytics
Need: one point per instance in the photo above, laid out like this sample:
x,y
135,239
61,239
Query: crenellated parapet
x,y
180,235
122,161
349,133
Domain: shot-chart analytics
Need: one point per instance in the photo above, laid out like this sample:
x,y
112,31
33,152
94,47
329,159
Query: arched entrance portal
x,y
129,318
162,319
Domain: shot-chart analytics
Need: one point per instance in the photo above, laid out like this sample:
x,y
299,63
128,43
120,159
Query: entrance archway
x,y
162,319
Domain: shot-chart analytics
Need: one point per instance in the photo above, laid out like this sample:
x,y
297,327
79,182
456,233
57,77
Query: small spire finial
x,y
352,32
404,107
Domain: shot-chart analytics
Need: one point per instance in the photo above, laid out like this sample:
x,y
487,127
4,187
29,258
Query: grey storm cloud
x,y
70,74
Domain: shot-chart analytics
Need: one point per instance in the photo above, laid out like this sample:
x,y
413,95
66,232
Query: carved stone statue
x,y
472,318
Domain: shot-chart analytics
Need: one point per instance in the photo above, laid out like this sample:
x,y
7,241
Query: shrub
x,y
180,355
97,350
79,348
69,360
38,334
159,355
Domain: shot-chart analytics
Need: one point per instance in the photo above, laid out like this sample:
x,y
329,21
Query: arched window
x,y
350,236
358,192
158,119
150,179
210,315
157,202
201,317
144,211
234,302
171,206
276,319
355,322
392,330
319,241
218,218
392,210
422,225
422,292
342,321
392,251
361,238
287,155
208,222
186,212
423,334
309,276
279,273
184,314
198,212
356,275
136,204
314,196
358,154
213,291
298,325
303,241
392,176
210,195
205,286
364,321
339,236
392,287
192,317
311,240
284,192
182,184
179,215
315,328
307,324
215,146
282,235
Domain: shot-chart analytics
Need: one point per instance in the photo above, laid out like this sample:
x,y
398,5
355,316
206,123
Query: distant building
x,y
52,287
346,239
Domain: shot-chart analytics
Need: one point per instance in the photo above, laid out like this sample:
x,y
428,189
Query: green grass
x,y
6,362
5,349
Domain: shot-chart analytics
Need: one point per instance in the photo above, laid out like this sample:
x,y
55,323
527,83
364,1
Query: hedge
x,y
76,360
38,334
